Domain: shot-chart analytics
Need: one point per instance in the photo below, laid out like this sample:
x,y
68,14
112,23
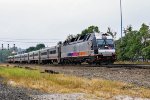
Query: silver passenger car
x,y
49,54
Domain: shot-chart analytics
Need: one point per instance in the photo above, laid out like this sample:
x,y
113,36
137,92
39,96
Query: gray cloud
x,y
55,19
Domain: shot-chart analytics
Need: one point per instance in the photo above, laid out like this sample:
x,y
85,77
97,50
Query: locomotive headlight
x,y
106,46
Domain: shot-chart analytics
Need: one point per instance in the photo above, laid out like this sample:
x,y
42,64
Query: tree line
x,y
90,29
37,47
135,44
4,53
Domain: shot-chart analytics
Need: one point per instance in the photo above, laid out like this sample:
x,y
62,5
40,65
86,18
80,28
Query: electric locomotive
x,y
89,48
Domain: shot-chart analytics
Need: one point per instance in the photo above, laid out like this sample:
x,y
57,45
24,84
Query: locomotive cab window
x,y
105,43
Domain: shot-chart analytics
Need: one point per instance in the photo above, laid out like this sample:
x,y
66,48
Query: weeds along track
x,y
129,73
139,66
130,66
46,67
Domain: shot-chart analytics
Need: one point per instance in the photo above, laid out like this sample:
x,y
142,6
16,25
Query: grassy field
x,y
59,83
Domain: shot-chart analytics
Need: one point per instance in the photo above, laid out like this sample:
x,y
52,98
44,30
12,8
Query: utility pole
x,y
121,18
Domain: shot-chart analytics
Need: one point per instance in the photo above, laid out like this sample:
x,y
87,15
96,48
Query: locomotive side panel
x,y
77,50
36,55
31,56
77,53
53,53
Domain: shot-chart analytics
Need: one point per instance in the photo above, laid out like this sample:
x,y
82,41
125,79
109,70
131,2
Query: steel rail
x,y
129,66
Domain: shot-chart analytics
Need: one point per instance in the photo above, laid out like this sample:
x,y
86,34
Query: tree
x,y
39,46
135,44
30,49
146,52
4,54
145,35
91,29
113,34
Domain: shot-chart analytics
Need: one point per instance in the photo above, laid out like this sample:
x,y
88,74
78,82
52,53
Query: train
x,y
89,48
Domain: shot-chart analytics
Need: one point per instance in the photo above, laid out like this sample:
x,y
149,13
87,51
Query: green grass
x,y
19,73
59,83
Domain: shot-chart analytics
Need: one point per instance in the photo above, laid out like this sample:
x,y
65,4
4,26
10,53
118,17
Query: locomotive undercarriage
x,y
90,60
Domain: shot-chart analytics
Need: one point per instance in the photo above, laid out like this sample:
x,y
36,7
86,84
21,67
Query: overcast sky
x,y
52,20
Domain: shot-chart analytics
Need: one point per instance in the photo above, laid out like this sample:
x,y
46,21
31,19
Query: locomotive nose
x,y
107,52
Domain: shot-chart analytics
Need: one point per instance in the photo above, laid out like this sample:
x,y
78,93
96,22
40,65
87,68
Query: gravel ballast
x,y
17,93
8,92
139,77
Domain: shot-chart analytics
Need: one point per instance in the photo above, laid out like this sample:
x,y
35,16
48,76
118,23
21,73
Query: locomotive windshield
x,y
105,43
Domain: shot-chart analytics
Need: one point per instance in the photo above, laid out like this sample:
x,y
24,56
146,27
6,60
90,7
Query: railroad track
x,y
140,66
129,66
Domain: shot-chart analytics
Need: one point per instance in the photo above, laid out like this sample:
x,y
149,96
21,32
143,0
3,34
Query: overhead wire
x,y
27,39
17,41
